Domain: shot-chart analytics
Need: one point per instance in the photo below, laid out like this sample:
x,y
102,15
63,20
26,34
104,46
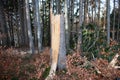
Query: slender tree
x,y
95,2
3,27
66,24
99,21
85,11
108,22
113,32
92,3
24,24
31,44
118,20
104,15
37,21
58,6
21,22
79,42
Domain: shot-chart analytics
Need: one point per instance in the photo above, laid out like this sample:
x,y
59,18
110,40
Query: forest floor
x,y
17,65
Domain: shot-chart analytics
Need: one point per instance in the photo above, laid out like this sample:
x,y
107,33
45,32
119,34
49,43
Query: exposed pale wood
x,y
58,48
114,61
55,42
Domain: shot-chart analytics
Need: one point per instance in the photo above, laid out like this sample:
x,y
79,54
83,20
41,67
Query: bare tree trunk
x,y
3,28
66,24
118,28
34,23
58,6
8,28
95,18
31,44
25,25
108,22
104,22
62,47
21,24
79,42
85,11
71,36
113,32
38,25
99,20
92,15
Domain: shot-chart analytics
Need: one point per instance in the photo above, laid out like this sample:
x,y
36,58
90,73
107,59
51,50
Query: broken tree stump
x,y
58,49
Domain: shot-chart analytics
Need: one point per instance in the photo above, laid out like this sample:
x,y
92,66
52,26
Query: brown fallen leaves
x,y
79,68
16,66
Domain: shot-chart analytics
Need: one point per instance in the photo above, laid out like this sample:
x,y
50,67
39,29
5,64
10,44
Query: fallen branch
x,y
114,61
117,67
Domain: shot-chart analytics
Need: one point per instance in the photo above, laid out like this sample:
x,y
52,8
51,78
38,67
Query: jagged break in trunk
x,y
57,44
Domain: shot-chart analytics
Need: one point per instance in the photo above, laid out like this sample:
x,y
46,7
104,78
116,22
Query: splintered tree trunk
x,y
57,44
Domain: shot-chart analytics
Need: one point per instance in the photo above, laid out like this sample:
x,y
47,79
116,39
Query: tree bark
x,y
99,20
118,21
108,22
104,22
3,27
85,11
21,17
38,25
62,46
113,33
79,42
25,25
31,44
58,6
66,24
